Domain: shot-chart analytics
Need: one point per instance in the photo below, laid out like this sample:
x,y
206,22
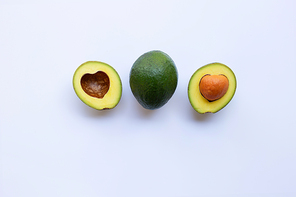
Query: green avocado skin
x,y
153,79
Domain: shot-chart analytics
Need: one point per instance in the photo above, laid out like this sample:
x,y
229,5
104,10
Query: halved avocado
x,y
211,88
98,85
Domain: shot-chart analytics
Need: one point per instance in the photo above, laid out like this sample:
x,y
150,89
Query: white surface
x,y
51,144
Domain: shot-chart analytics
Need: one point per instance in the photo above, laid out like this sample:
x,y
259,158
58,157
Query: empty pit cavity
x,y
95,85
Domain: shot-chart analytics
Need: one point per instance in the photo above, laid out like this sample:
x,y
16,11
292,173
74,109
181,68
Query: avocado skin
x,y
153,79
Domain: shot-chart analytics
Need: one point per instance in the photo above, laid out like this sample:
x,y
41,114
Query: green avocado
x,y
153,79
199,91
98,85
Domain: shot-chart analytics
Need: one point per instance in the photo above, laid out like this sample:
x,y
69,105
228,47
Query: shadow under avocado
x,y
145,113
201,117
94,112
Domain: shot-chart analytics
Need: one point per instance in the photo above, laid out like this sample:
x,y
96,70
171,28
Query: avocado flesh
x,y
201,104
153,79
98,85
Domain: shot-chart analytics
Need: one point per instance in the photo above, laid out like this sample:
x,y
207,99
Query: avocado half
x,y
98,85
153,79
199,102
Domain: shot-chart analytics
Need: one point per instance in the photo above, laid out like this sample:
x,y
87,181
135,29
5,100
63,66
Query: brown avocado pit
x,y
95,85
213,87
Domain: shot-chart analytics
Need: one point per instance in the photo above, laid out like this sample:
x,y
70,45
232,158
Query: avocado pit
x,y
213,87
95,85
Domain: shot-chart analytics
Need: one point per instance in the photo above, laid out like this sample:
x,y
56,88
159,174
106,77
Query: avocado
x,y
98,85
211,88
153,79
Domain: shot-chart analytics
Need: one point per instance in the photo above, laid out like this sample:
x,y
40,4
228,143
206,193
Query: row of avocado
x,y
153,80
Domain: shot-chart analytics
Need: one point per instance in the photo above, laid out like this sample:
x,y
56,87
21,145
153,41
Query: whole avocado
x,y
153,79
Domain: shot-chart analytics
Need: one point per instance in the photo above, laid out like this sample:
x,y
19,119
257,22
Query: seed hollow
x,y
95,85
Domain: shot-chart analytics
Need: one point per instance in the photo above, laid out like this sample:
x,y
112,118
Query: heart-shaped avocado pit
x,y
98,85
95,85
213,87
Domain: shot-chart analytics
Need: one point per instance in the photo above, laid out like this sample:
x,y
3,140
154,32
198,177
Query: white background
x,y
52,144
